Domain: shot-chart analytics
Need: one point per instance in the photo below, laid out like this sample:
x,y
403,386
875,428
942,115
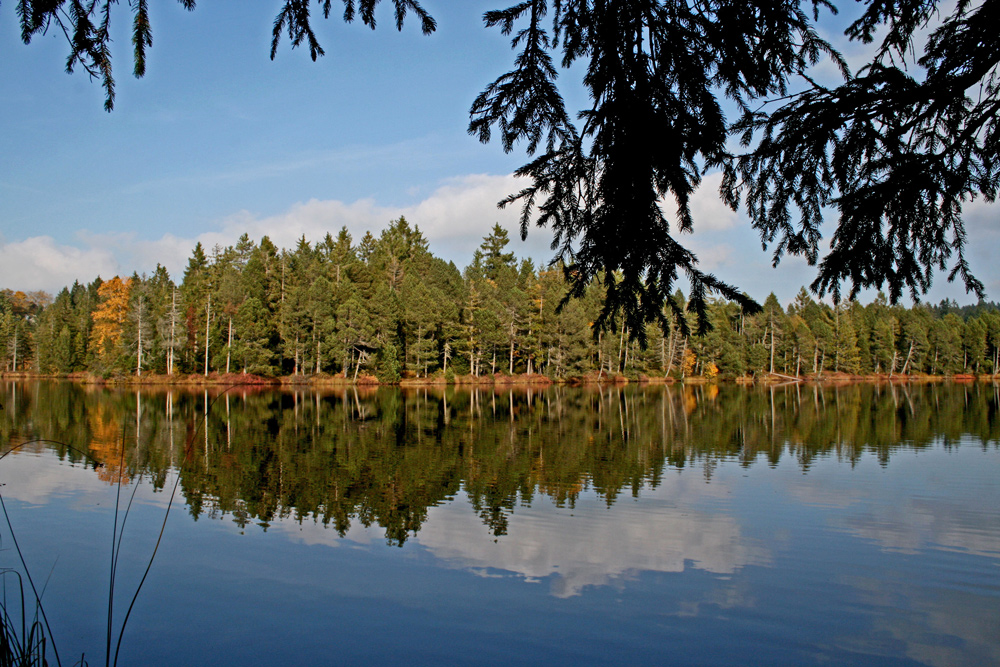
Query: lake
x,y
683,525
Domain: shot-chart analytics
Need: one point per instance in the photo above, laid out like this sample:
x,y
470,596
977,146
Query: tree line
x,y
387,308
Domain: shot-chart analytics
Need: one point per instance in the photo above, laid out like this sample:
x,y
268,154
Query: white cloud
x,y
454,219
39,263
982,216
713,257
708,210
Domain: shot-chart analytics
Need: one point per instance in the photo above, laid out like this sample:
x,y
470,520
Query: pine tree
x,y
195,292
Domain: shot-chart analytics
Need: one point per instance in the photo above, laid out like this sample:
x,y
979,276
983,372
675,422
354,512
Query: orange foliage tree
x,y
109,316
688,363
106,443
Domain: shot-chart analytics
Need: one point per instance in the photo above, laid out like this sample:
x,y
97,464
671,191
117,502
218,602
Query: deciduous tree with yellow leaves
x,y
109,316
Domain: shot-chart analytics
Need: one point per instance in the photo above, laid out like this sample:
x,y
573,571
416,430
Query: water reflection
x,y
853,524
592,544
385,457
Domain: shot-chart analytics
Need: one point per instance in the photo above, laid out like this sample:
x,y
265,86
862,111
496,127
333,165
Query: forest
x,y
386,308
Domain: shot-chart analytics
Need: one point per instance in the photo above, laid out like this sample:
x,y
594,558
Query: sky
x,y
218,140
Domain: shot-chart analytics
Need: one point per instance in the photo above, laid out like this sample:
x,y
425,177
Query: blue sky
x,y
218,140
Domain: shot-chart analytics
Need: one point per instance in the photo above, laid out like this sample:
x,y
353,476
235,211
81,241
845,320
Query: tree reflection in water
x,y
385,456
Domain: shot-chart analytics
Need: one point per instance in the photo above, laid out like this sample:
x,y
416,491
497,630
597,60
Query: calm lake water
x,y
793,525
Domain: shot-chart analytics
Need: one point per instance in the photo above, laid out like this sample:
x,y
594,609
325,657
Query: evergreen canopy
x,y
897,148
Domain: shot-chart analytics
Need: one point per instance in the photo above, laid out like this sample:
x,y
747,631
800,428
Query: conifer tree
x,y
195,292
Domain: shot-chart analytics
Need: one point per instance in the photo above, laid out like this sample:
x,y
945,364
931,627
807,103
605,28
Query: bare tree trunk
x,y
173,324
600,352
908,354
671,353
663,352
208,319
319,365
772,349
621,341
229,344
138,344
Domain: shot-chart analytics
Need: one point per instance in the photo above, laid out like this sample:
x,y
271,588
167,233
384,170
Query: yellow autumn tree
x,y
688,363
106,443
109,316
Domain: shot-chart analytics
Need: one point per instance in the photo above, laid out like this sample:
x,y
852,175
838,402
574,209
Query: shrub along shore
x,y
498,381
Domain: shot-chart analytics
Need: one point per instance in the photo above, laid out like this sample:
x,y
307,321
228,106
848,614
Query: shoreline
x,y
497,380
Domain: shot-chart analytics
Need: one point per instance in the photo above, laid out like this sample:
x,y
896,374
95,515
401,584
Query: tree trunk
x,y
229,344
621,342
208,319
138,344
173,324
318,364
671,353
600,352
908,354
772,348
